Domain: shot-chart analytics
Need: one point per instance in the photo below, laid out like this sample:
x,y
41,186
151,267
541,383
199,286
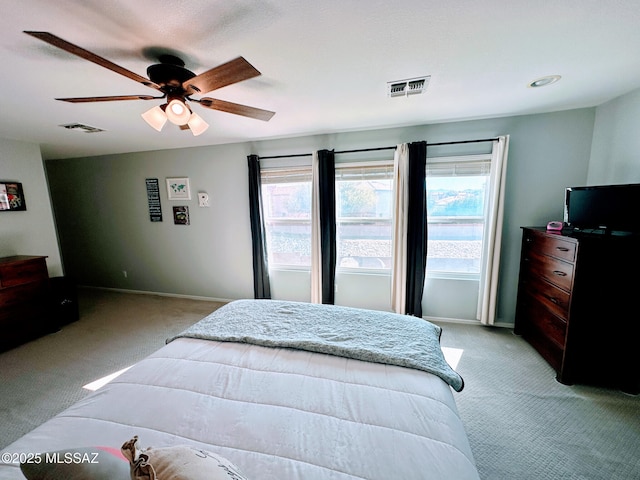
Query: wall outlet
x,y
125,273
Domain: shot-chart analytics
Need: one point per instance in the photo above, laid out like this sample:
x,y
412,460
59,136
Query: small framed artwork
x,y
11,197
178,188
181,215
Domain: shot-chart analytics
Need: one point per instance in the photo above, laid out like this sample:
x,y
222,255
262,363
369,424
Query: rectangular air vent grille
x,y
82,128
397,89
404,88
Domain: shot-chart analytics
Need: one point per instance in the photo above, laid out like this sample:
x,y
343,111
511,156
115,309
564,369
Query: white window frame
x,y
363,164
303,169
484,159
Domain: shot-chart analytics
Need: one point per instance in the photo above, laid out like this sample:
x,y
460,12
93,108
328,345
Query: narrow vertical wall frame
x,y
153,197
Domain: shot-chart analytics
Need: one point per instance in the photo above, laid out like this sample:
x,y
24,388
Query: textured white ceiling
x,y
324,64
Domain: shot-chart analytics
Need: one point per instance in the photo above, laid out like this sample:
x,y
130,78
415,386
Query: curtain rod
x,y
428,145
366,150
483,140
287,156
384,148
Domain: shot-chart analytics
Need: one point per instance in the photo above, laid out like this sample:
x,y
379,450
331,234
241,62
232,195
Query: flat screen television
x,y
603,208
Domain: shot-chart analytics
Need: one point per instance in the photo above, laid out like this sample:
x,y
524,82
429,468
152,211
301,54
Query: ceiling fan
x,y
177,85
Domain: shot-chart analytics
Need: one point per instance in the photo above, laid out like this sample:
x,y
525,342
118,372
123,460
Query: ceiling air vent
x,y
404,88
82,128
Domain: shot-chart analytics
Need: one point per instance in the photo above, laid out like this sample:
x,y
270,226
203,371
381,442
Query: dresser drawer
x,y
550,269
23,315
25,271
543,323
557,247
36,292
553,298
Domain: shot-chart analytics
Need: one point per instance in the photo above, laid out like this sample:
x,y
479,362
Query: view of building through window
x,y
364,209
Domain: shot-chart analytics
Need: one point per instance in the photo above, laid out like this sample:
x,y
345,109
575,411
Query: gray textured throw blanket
x,y
367,335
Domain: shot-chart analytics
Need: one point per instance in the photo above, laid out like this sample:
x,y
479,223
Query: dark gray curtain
x,y
327,187
416,228
261,285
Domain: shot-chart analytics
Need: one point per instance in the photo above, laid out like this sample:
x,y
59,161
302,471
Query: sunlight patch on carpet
x,y
452,356
96,384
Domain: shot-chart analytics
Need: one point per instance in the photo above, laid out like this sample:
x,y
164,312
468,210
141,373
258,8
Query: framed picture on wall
x,y
178,188
181,215
11,197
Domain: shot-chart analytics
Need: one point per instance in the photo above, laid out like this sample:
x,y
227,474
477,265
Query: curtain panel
x,y
399,236
493,236
410,229
323,227
416,228
261,284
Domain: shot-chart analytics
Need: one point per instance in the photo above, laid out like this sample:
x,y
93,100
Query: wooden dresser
x,y
578,302
24,299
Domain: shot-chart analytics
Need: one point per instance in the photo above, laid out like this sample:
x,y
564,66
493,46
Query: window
x,y
457,188
364,206
286,199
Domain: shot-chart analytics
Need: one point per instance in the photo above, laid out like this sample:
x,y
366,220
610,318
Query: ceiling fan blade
x,y
92,57
231,72
237,109
108,99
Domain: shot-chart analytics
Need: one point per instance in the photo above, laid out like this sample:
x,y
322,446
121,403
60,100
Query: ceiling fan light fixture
x,y
197,125
155,117
177,112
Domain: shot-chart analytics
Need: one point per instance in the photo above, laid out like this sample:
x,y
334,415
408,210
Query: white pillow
x,y
181,462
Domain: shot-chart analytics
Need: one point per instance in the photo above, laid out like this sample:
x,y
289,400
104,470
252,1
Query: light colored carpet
x,y
41,378
521,423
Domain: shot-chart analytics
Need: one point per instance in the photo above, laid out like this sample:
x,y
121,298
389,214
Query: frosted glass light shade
x,y
177,112
197,124
155,117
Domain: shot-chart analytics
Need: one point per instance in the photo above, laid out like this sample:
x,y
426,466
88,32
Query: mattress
x,y
275,412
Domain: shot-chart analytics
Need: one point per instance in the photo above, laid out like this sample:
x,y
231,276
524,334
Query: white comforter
x,y
277,413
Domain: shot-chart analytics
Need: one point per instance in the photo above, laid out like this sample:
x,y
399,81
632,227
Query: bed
x,y
283,390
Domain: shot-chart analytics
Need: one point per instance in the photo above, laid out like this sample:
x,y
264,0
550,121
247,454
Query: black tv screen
x,y
603,207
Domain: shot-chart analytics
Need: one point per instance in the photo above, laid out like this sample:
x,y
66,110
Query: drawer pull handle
x,y
562,249
554,300
559,273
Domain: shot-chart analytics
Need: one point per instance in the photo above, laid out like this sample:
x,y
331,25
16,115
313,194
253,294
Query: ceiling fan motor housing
x,y
170,74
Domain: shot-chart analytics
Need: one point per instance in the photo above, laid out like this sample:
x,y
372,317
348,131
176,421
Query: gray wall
x,y
615,155
30,232
103,219
102,214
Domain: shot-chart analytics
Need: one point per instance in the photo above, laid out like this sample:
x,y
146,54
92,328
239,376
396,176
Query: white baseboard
x,y
227,300
160,294
466,322
451,320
